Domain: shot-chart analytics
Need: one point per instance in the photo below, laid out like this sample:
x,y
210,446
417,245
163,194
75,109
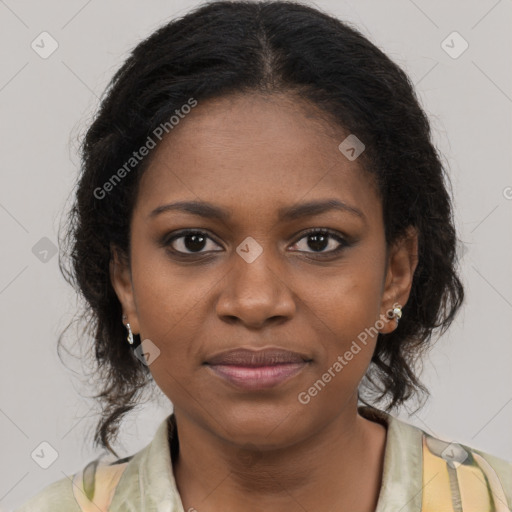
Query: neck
x,y
339,464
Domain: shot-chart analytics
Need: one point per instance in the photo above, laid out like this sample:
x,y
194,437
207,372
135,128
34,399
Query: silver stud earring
x,y
397,313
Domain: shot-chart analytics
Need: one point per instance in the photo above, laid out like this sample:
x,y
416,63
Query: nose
x,y
255,293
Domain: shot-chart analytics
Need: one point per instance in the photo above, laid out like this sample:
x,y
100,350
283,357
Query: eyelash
x,y
166,242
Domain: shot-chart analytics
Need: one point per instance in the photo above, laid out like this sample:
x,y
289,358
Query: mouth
x,y
254,370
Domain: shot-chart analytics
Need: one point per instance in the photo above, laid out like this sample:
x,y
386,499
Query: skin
x,y
255,450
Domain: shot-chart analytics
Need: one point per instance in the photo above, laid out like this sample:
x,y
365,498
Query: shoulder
x,y
109,483
465,476
90,489
451,475
477,474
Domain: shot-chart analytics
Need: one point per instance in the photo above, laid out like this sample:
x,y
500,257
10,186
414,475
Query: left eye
x,y
320,239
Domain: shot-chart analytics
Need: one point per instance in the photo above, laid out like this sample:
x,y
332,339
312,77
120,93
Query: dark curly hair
x,y
227,47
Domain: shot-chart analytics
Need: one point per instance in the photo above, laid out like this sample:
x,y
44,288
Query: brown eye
x,y
318,240
191,242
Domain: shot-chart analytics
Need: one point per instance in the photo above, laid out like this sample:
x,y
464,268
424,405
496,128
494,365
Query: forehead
x,y
250,152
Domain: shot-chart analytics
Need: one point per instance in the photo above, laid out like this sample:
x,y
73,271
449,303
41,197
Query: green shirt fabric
x,y
421,474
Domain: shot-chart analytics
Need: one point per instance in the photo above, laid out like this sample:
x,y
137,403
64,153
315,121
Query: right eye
x,y
193,241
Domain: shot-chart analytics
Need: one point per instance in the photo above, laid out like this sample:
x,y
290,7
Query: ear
x,y
401,265
121,279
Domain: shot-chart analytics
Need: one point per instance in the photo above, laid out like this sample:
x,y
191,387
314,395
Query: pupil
x,y
197,242
317,241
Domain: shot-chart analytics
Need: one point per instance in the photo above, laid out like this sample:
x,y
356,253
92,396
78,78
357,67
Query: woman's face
x,y
253,278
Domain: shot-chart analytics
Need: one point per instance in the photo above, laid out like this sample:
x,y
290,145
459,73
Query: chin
x,y
262,425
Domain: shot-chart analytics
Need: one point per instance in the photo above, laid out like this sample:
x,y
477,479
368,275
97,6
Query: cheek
x,y
165,294
348,335
351,297
169,305
348,307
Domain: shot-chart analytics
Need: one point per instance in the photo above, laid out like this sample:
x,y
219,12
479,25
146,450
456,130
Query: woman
x,y
262,227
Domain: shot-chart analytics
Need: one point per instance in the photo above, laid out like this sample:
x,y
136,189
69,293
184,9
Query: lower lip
x,y
261,377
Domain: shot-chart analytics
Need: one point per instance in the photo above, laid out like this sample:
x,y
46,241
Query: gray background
x,y
45,105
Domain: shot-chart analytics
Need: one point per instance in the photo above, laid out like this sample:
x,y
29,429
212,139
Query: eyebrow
x,y
288,213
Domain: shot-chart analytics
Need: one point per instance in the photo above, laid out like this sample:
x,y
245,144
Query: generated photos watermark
x,y
304,397
151,142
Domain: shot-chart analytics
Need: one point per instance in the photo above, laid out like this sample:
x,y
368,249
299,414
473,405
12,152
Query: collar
x,y
148,480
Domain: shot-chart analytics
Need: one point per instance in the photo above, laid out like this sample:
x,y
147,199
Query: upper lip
x,y
251,357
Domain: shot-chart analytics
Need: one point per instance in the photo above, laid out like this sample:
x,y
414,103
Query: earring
x,y
397,313
130,334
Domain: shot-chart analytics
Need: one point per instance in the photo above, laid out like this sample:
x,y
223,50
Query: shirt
x,y
421,473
